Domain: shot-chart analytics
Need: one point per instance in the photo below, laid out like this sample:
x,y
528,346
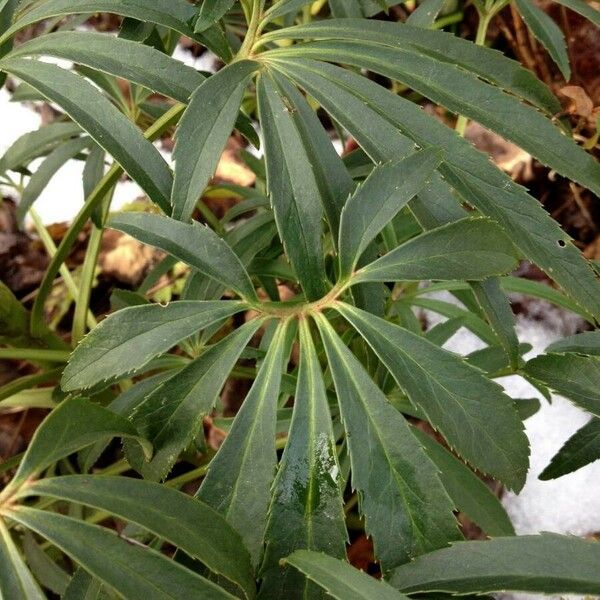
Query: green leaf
x,y
571,375
306,511
135,572
195,244
130,338
425,14
238,484
203,131
466,249
73,425
114,55
470,495
210,12
407,511
463,93
93,172
378,200
448,48
548,563
470,411
197,529
7,11
339,579
548,33
581,449
85,587
541,290
332,177
100,118
16,581
174,14
587,342
46,171
48,573
171,415
583,8
497,309
292,187
36,143
281,8
378,120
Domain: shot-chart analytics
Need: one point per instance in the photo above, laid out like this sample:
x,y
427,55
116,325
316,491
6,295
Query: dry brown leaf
x,y
581,104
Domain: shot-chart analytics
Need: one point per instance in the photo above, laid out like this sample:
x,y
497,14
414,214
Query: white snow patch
x,y
570,504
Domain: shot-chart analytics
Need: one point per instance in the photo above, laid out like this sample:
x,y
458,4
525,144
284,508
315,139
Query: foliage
x,y
360,240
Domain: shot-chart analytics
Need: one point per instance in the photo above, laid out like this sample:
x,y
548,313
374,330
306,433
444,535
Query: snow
x,y
570,504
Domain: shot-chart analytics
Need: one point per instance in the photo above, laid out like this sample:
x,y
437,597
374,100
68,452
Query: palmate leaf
x,y
238,484
339,579
550,564
171,415
377,201
468,492
123,58
46,171
203,132
292,188
407,511
469,249
133,571
130,338
332,178
571,375
377,118
16,581
306,510
581,449
195,244
548,33
73,425
464,93
198,529
471,412
486,63
105,124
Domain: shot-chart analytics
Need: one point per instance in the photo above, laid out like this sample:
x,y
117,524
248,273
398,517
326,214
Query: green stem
x,y
88,272
99,193
192,475
64,271
486,14
451,19
253,29
210,218
35,398
33,354
29,381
